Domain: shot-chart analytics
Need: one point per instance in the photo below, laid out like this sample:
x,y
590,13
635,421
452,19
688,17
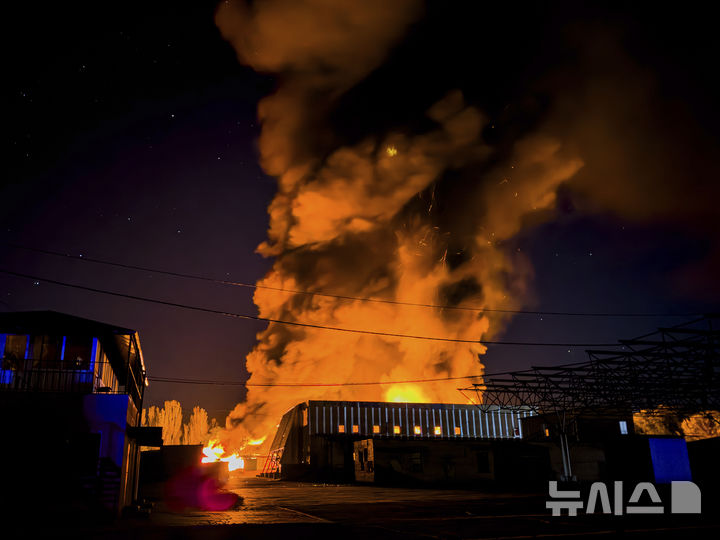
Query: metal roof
x,y
675,368
55,322
367,419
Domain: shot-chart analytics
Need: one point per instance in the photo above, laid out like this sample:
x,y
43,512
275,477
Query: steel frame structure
x,y
677,368
672,370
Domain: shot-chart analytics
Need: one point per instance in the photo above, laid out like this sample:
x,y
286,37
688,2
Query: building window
x,y
356,429
376,429
458,431
50,351
341,428
438,430
418,430
396,430
107,382
77,352
623,427
546,430
14,351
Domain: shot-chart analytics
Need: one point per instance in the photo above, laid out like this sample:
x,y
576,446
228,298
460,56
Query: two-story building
x,y
71,392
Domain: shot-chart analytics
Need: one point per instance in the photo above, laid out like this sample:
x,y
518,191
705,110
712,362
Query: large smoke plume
x,y
362,219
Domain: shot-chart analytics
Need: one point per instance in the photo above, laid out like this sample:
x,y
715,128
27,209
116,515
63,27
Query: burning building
x,y
382,441
398,230
71,390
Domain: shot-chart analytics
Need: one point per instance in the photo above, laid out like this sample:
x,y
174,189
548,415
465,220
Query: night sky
x,y
131,136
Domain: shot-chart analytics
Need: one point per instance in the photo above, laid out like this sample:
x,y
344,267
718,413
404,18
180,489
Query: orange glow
x,y
438,430
257,442
391,151
214,452
406,393
418,430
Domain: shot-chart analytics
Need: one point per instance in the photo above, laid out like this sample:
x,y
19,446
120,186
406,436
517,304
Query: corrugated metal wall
x,y
379,419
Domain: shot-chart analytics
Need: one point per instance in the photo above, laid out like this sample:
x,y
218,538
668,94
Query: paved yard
x,y
274,509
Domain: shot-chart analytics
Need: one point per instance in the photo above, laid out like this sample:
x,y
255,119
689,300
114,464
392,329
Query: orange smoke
x,y
358,220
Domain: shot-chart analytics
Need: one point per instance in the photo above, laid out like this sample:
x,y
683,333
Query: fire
x,y
351,217
214,452
406,393
234,462
257,442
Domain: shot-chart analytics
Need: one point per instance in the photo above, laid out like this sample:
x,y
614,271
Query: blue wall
x,y
670,460
107,414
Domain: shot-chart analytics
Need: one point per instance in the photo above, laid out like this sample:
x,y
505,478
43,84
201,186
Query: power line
x,y
296,323
339,296
302,384
181,380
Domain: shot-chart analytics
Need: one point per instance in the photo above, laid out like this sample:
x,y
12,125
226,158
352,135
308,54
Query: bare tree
x,y
170,419
196,430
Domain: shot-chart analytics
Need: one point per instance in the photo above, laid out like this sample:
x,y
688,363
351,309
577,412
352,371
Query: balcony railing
x,y
32,375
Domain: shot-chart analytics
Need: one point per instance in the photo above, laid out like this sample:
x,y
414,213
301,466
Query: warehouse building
x,y
329,440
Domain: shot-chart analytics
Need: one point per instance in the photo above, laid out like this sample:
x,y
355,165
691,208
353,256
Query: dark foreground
x,y
275,509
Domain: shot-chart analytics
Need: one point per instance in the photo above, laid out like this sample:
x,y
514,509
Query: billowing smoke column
x,y
362,220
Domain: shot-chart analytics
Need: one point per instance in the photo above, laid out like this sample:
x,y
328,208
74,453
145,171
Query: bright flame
x,y
214,452
391,151
406,393
234,462
257,442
